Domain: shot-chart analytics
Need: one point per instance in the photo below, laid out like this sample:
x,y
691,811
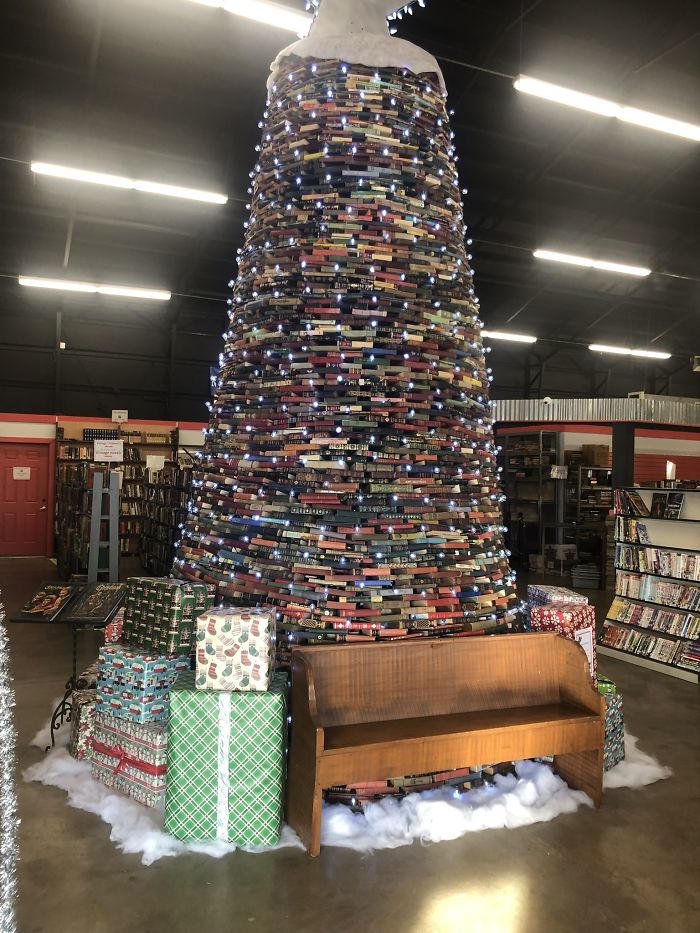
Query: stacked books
x,y
349,472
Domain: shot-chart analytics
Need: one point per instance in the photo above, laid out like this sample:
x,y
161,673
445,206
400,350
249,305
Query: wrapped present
x,y
114,629
614,749
226,763
607,686
131,757
161,613
88,679
136,686
540,595
235,649
572,620
82,719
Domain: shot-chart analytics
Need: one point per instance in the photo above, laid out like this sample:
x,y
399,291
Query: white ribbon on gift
x,y
223,765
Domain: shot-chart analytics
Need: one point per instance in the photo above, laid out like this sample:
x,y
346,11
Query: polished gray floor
x,y
631,866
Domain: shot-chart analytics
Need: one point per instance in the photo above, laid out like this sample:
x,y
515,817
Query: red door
x,y
24,489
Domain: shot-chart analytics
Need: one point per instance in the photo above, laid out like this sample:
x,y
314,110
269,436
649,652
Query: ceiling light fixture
x,y
625,351
265,11
123,291
505,335
553,256
118,181
606,108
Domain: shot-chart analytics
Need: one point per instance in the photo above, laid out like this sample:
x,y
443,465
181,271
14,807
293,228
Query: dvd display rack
x,y
654,619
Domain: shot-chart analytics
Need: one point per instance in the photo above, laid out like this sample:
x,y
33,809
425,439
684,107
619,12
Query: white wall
x,y
26,429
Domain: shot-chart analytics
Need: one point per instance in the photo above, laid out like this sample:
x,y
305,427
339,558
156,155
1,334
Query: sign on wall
x,y
109,451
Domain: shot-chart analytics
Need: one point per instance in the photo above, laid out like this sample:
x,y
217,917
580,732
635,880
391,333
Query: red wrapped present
x,y
113,630
572,620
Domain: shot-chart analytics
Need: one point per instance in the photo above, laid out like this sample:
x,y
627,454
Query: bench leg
x,y
583,771
304,800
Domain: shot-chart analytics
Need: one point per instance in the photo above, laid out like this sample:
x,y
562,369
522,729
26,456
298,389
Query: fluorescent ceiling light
x,y
504,335
606,108
625,351
553,256
265,11
118,181
66,285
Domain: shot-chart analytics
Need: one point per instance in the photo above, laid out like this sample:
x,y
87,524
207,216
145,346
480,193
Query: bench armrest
x,y
304,707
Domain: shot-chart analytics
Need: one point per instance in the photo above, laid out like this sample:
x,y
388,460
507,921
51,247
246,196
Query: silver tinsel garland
x,y
8,791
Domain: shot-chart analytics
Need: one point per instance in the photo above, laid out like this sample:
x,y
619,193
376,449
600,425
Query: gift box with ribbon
x,y
131,757
614,749
226,763
235,649
82,720
160,614
136,686
572,620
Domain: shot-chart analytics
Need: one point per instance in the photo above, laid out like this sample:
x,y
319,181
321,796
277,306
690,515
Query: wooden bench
x,y
372,712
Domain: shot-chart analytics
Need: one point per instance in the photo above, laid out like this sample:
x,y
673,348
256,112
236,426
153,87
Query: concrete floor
x,y
631,866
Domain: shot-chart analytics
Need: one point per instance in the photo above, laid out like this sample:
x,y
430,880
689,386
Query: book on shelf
x,y
649,645
674,505
658,505
673,622
629,502
646,588
661,561
631,531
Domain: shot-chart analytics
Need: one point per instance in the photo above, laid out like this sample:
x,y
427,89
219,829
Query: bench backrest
x,y
432,677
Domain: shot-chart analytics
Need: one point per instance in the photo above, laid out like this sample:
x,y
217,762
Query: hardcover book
x,y
97,603
49,601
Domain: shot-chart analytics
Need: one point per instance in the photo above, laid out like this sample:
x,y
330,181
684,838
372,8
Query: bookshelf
x,y
654,619
76,503
530,490
75,461
165,508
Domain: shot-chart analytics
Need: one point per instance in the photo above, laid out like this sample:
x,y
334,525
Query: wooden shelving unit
x,y
530,490
654,619
75,461
167,492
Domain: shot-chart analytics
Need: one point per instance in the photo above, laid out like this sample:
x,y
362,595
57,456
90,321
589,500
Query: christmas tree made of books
x,y
349,471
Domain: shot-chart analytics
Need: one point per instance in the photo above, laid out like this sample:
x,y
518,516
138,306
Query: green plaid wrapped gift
x,y
226,763
160,614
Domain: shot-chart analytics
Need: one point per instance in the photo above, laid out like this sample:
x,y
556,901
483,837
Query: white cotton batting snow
x,y
356,32
61,737
135,829
375,51
637,769
535,795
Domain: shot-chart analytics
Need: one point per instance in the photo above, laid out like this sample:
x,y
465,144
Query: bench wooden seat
x,y
372,712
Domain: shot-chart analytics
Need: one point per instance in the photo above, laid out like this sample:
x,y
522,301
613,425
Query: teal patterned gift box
x,y
135,686
226,763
